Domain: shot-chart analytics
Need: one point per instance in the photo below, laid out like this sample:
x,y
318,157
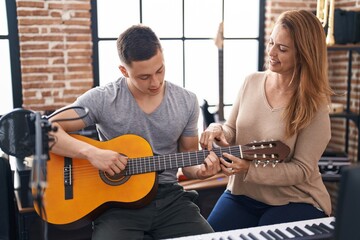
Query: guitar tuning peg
x,y
257,162
274,163
266,163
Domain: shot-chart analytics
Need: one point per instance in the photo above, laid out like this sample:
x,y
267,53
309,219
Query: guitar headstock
x,y
266,152
219,40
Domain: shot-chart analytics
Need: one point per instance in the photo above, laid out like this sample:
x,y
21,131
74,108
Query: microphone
x,y
18,133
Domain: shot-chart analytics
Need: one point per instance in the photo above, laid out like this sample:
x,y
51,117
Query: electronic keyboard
x,y
320,228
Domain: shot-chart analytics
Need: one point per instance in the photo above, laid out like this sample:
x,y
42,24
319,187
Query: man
x,y
141,103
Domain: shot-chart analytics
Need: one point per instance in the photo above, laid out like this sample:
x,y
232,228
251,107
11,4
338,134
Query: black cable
x,y
68,119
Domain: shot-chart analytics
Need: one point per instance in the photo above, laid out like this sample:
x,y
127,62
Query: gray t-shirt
x,y
115,112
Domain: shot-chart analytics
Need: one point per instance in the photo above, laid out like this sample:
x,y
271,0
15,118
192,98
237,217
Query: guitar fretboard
x,y
176,160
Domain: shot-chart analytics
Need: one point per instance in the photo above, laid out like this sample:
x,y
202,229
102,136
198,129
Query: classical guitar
x,y
76,191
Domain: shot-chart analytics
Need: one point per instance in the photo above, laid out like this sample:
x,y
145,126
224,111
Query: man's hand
x,y
109,161
210,167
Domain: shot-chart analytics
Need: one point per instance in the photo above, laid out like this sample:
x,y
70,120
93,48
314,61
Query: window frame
x,y
14,49
96,39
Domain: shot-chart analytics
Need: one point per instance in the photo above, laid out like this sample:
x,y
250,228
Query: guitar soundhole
x,y
115,180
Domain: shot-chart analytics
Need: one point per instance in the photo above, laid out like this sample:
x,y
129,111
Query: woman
x,y
288,102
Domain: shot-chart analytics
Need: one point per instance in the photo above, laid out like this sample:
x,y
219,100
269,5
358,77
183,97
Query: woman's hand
x,y
236,165
213,133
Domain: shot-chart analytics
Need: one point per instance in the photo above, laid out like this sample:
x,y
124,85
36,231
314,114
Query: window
x,y
10,91
187,29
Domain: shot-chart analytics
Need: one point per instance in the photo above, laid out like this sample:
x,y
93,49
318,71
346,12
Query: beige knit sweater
x,y
297,179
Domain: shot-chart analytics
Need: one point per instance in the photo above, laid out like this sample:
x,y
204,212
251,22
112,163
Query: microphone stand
x,y
39,171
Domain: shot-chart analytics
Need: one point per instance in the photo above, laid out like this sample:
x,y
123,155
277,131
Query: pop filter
x,y
17,133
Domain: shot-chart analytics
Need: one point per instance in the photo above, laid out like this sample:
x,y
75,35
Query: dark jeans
x,y
171,214
238,211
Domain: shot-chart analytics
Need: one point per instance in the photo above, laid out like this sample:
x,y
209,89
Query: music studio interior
x,y
57,50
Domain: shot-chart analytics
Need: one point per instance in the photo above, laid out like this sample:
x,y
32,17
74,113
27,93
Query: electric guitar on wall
x,y
76,192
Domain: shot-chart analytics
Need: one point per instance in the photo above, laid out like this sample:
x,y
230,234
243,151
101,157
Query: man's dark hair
x,y
137,43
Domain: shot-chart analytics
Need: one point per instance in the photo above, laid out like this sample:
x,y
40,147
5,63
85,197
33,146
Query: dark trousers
x,y
238,211
171,214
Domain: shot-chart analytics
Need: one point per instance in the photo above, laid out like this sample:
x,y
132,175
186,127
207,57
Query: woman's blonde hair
x,y
310,78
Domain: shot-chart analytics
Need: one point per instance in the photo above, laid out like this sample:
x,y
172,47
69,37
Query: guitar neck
x,y
221,86
176,160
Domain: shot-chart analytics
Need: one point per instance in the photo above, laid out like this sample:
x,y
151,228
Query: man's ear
x,y
123,71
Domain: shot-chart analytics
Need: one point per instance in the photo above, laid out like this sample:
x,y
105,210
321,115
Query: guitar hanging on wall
x,y
76,192
219,42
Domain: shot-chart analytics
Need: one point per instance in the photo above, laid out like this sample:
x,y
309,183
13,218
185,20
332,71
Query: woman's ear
x,y
123,71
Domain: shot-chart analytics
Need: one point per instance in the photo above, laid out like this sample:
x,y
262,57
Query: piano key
x,y
253,237
265,235
321,229
243,237
274,235
301,231
293,232
333,224
281,233
312,229
326,227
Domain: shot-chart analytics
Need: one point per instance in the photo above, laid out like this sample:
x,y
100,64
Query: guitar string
x,y
132,166
149,163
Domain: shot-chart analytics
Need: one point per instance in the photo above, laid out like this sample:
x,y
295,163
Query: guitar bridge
x,y
68,187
